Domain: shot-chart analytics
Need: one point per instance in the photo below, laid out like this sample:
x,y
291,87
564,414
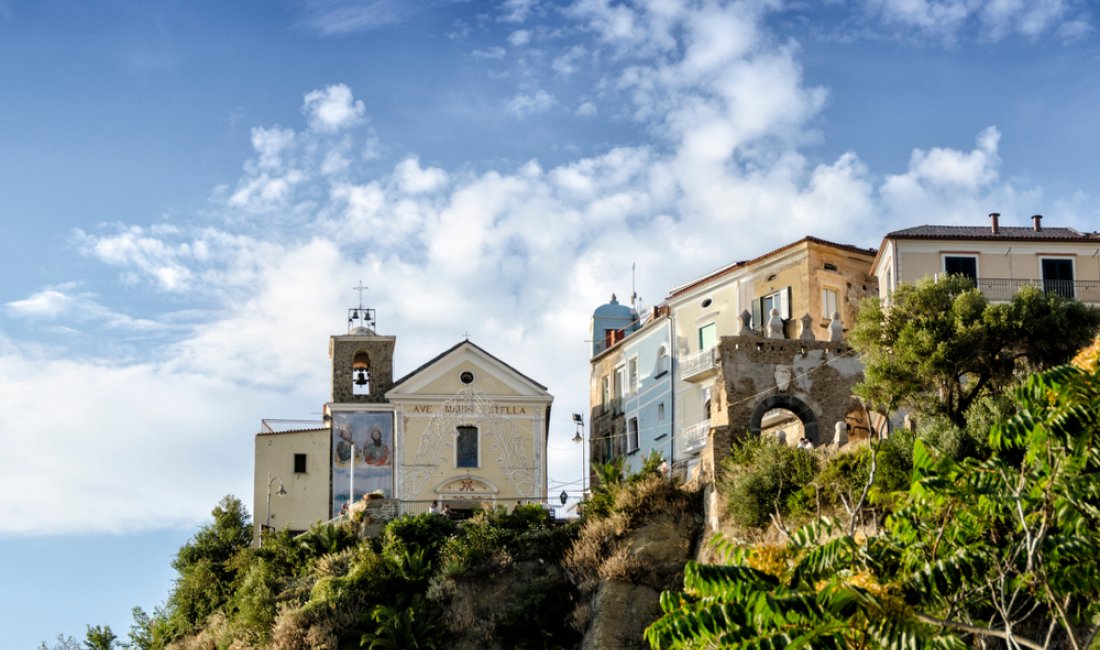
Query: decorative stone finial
x,y
746,323
775,325
807,328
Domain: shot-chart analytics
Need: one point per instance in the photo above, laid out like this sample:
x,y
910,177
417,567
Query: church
x,y
463,429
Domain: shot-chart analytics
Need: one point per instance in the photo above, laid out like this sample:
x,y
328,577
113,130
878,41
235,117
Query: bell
x,y
361,378
354,313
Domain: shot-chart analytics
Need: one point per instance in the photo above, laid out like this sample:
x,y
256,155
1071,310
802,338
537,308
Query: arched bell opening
x,y
360,374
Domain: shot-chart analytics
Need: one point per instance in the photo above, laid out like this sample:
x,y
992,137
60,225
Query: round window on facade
x,y
466,377
706,303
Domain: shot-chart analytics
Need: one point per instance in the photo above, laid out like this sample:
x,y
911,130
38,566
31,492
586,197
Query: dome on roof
x,y
361,331
614,311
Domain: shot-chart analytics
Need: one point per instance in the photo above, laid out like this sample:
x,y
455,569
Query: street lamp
x,y
281,491
579,439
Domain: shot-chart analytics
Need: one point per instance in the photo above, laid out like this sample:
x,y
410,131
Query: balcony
x,y
1002,289
699,366
693,438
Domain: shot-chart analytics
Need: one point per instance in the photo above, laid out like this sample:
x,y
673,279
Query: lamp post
x,y
281,491
578,420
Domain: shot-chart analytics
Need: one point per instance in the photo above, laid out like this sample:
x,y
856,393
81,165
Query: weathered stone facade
x,y
379,350
812,379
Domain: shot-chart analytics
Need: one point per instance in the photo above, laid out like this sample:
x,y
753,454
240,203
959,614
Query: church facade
x,y
463,429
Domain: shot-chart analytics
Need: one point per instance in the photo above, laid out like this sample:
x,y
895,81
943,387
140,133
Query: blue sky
x,y
190,190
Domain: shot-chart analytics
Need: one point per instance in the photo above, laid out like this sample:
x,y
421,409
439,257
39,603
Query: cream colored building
x,y
463,429
810,276
1000,259
293,457
470,428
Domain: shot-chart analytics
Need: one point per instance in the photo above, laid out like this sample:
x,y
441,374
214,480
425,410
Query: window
x,y
829,266
762,308
360,374
620,382
707,393
466,377
466,447
632,375
1058,276
662,361
829,304
299,463
632,435
708,336
606,392
965,265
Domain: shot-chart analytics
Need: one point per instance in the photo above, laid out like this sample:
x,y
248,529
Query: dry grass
x,y
604,549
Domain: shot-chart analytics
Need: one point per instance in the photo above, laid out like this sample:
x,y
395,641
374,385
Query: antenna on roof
x,y
633,288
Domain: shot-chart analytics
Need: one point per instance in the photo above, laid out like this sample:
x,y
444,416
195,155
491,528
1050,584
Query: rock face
x,y
623,609
623,562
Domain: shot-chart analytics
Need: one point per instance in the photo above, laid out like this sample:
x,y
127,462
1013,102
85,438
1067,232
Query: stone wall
x,y
813,379
379,350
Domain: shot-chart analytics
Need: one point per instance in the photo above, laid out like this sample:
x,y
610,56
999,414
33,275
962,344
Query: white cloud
x,y
332,109
529,103
517,11
567,63
516,254
336,17
61,304
519,38
495,52
993,19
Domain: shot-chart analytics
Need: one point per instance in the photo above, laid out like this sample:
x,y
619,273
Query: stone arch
x,y
792,404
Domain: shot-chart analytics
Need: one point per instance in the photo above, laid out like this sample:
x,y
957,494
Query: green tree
x,y
62,643
206,568
100,638
940,345
1004,549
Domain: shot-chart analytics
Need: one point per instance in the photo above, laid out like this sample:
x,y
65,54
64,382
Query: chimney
x,y
1035,225
994,217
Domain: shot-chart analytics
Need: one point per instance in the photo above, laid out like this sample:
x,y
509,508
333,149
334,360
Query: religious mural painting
x,y
362,447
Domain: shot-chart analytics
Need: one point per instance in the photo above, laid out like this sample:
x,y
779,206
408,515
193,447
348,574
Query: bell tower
x,y
362,361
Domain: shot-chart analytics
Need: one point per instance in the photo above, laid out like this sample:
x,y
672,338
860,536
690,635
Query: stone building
x,y
463,429
795,302
808,290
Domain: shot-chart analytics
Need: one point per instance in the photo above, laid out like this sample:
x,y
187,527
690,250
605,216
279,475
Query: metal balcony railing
x,y
1002,289
694,437
698,363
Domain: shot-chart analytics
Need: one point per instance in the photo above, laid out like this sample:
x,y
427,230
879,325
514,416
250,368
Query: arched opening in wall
x,y
360,374
783,425
788,414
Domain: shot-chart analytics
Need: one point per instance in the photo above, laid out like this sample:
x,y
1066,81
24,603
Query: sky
x,y
190,190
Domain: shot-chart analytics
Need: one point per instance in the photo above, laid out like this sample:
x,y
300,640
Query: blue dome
x,y
614,311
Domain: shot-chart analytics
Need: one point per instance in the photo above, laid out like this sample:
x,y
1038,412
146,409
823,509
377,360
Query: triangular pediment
x,y
466,367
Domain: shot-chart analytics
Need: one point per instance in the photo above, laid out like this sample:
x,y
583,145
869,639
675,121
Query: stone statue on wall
x,y
836,328
775,325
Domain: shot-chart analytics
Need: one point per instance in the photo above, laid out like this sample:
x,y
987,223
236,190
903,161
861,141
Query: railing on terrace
x,y
465,506
694,438
270,425
1002,289
697,363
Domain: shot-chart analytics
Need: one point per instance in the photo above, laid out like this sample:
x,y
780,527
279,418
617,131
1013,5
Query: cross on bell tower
x,y
361,318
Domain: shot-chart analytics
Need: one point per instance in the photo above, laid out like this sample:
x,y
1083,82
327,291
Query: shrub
x,y
760,475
